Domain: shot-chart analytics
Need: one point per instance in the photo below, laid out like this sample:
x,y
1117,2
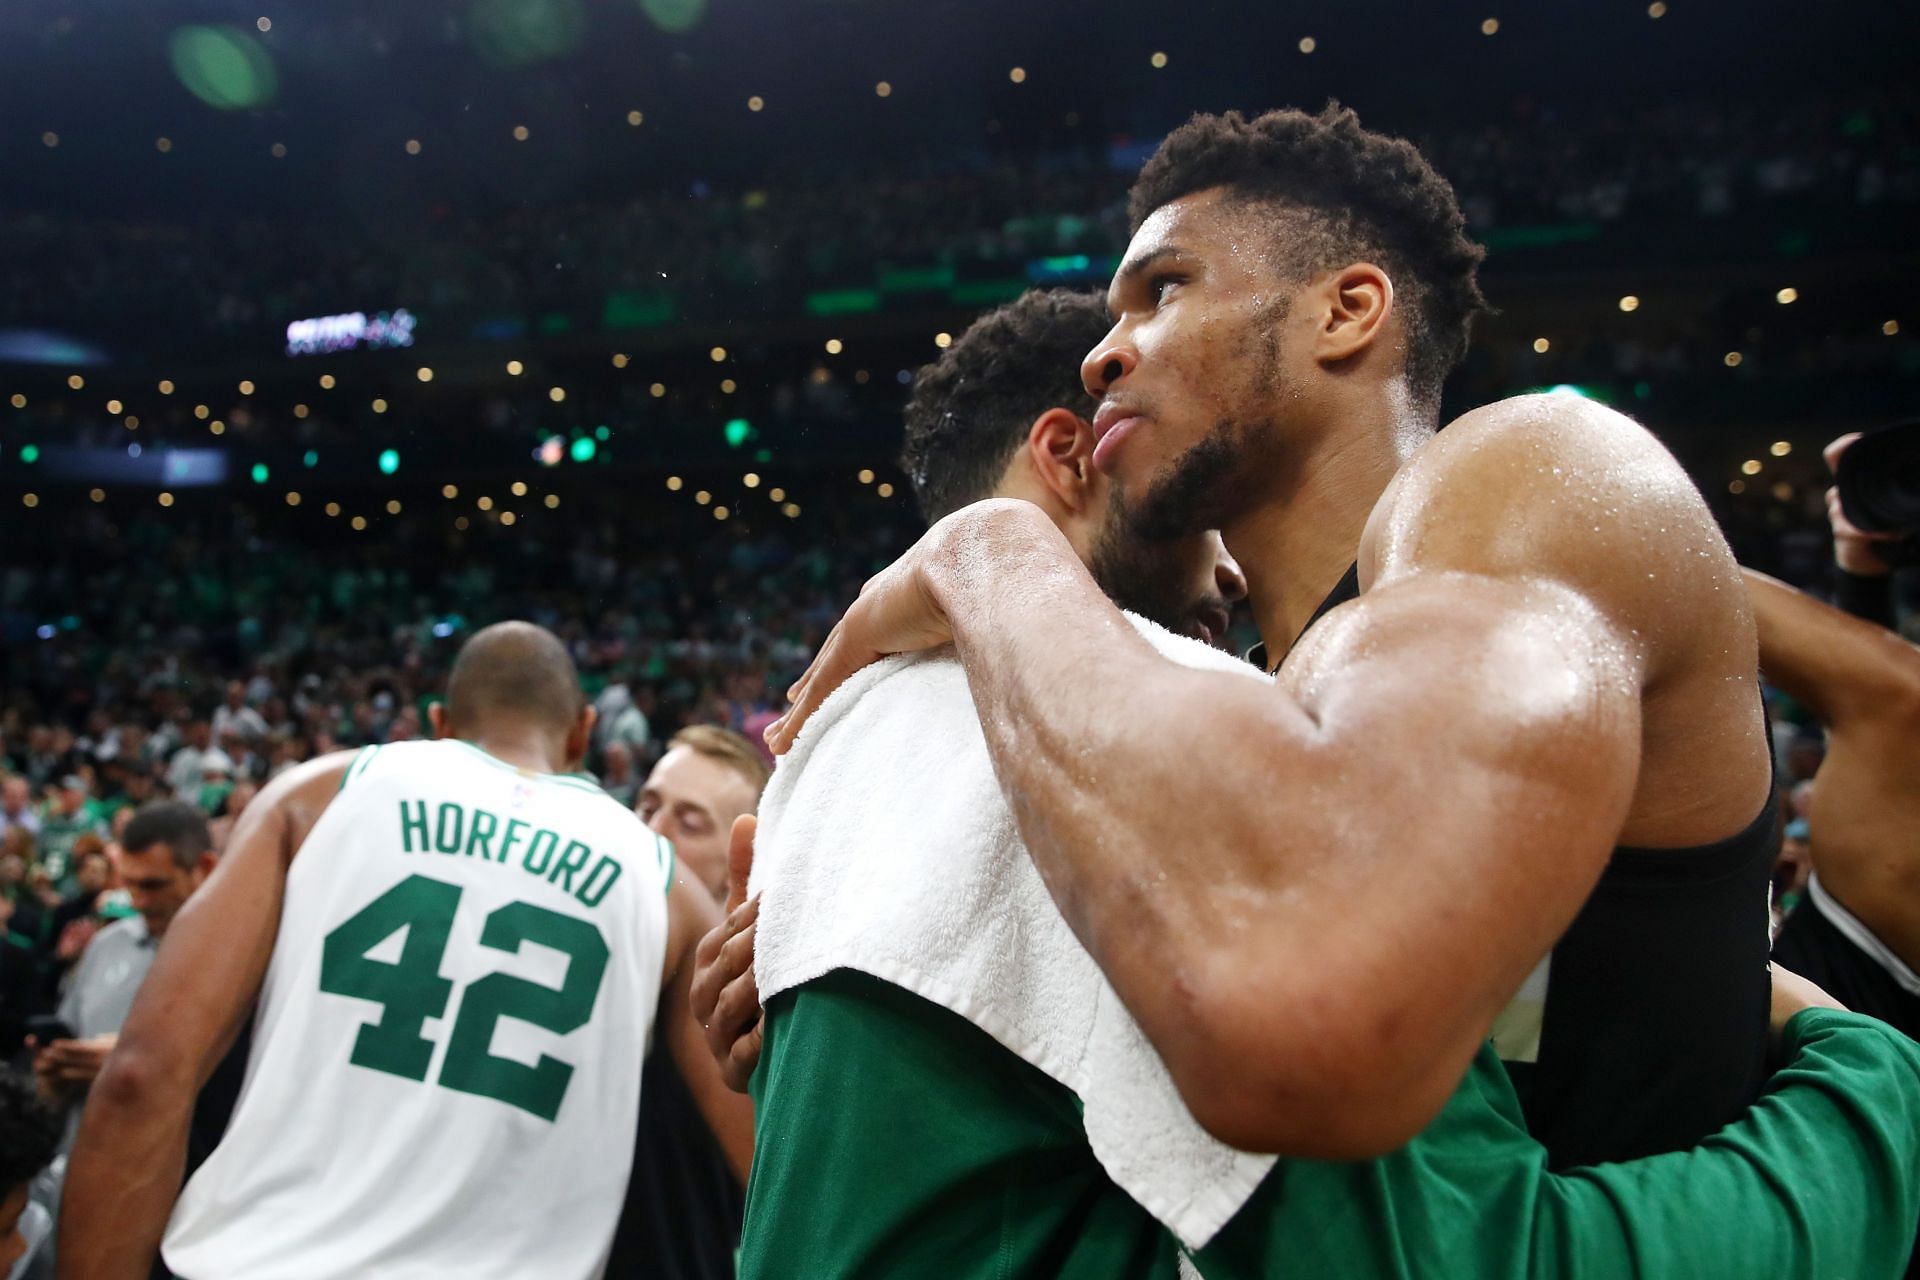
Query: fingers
x,y
740,859
714,965
1837,447
745,1056
835,664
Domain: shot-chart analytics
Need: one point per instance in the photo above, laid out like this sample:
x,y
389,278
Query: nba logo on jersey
x,y
521,794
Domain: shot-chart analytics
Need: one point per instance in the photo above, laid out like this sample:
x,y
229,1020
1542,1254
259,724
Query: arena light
x,y
326,382
728,386
552,500
389,461
777,495
114,407
278,151
163,145
449,490
519,488
865,476
166,499
379,405
751,480
1738,486
885,490
413,146
943,340
223,66
31,500
1490,26
1780,448
1629,303
1657,10
18,401
1157,61
217,427
657,390
1751,467
1018,75
1787,296
98,495
551,453
76,382
619,360
348,331
634,118
721,513
246,387
834,346
49,139
1890,328
1540,346
166,386
359,524
515,368
520,133
259,473
29,453
675,483
310,459
703,497
300,411
882,90
756,103
737,432
676,17
1308,44
293,497
556,394
423,373
583,449
393,506
1732,359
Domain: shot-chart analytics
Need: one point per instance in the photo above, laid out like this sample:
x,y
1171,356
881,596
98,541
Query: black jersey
x,y
1646,1027
681,1220
1823,943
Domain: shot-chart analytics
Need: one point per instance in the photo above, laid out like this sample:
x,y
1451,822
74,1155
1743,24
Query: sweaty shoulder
x,y
1561,493
1560,489
294,801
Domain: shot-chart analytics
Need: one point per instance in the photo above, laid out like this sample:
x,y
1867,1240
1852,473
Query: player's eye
x,y
1158,286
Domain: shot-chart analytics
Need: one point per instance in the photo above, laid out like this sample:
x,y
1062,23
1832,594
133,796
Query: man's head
x,y
516,680
709,777
236,695
1002,413
165,854
15,795
1292,279
91,869
29,1136
70,795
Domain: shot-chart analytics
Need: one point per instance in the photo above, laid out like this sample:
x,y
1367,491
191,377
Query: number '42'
x,y
411,990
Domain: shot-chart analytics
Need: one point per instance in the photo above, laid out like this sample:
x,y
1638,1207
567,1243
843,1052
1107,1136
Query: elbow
x,y
1310,1087
137,1081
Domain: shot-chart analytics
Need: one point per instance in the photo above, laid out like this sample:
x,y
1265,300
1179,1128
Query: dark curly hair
x,y
29,1132
972,408
1354,195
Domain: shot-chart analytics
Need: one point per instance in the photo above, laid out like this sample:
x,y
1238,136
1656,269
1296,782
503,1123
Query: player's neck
x,y
1299,539
522,748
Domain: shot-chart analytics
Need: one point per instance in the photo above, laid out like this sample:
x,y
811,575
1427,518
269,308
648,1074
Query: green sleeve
x,y
1820,1178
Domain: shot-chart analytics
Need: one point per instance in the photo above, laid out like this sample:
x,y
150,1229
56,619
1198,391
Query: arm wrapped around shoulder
x,y
1820,1178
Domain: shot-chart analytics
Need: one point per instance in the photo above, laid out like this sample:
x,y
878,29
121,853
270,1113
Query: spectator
x,y
242,794
185,770
70,815
235,717
621,720
167,855
709,777
16,806
619,778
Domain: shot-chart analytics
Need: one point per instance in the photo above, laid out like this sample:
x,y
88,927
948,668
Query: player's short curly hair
x,y
29,1132
1354,195
972,408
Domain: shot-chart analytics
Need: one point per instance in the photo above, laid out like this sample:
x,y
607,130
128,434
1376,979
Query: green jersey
x,y
896,1139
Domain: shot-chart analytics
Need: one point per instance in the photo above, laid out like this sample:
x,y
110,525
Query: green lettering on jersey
x,y
450,828
412,822
538,859
411,990
480,834
514,828
572,859
595,886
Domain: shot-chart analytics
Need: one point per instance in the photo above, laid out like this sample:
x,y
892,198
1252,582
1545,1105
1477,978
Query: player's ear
x,y
437,719
1355,304
581,735
1060,447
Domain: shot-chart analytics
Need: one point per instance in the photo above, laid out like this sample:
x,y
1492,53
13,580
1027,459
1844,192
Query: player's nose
x,y
1228,578
1107,363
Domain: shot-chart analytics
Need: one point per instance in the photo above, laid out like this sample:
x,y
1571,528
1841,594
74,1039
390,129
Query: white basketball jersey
x,y
445,1071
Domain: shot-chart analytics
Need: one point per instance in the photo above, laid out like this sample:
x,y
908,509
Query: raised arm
x,y
1846,671
125,1171
1315,899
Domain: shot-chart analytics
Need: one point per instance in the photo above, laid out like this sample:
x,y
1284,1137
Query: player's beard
x,y
1209,484
1150,577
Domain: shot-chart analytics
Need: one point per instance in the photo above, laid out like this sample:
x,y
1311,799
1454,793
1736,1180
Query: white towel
x,y
886,846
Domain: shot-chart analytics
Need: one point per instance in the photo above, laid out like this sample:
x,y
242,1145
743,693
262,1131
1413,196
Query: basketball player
x,y
1518,714
456,952
897,1138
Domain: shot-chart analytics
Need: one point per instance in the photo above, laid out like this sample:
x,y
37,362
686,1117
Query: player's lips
x,y
1210,623
1112,424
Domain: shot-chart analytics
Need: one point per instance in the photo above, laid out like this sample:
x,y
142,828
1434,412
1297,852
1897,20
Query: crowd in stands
x,y
734,251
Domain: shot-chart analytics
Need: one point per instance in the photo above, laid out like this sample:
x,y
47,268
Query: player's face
x,y
692,800
1187,585
1194,378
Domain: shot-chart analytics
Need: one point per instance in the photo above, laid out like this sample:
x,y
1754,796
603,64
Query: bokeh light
x,y
224,67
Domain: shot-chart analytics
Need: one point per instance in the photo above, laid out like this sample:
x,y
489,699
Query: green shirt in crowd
x,y
896,1139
